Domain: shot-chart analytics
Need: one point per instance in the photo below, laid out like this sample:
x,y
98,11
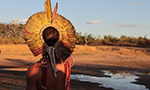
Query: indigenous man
x,y
53,36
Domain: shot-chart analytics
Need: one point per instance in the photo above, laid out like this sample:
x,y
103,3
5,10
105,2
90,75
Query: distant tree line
x,y
13,34
111,40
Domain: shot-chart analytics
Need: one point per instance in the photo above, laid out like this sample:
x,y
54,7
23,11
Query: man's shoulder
x,y
34,71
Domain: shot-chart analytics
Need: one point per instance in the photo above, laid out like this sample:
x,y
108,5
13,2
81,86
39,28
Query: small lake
x,y
119,80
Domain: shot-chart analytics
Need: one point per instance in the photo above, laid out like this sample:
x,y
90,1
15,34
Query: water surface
x,y
118,80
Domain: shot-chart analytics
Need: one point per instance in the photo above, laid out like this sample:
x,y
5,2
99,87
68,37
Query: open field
x,y
88,60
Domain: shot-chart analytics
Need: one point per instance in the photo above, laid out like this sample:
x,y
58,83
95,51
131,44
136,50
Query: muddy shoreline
x,y
15,80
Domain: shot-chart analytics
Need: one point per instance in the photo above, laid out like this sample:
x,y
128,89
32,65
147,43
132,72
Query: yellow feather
x,y
48,10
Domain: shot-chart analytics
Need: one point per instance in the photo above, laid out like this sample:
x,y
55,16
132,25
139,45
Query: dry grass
x,y
130,57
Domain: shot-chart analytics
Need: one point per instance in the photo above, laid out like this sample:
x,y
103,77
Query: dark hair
x,y
50,36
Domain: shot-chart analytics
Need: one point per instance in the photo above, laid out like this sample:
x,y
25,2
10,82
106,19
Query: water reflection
x,y
126,73
119,80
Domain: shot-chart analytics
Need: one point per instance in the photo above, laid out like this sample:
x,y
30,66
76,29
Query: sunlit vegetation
x,y
13,34
111,40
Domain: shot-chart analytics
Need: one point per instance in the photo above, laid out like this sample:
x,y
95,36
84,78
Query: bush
x,y
111,40
11,34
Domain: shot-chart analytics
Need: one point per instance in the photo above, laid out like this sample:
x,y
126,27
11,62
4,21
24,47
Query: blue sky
x,y
97,17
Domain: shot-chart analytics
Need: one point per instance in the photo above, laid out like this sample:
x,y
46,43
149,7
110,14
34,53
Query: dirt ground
x,y
89,60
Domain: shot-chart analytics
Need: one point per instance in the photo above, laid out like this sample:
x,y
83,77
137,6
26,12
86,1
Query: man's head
x,y
50,36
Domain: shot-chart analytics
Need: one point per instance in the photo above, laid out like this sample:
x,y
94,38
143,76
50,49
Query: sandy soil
x,y
88,60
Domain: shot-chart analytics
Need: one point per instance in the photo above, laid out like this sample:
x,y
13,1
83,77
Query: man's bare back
x,y
34,76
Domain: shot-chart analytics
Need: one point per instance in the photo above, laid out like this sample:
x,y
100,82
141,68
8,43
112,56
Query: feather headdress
x,y
40,21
